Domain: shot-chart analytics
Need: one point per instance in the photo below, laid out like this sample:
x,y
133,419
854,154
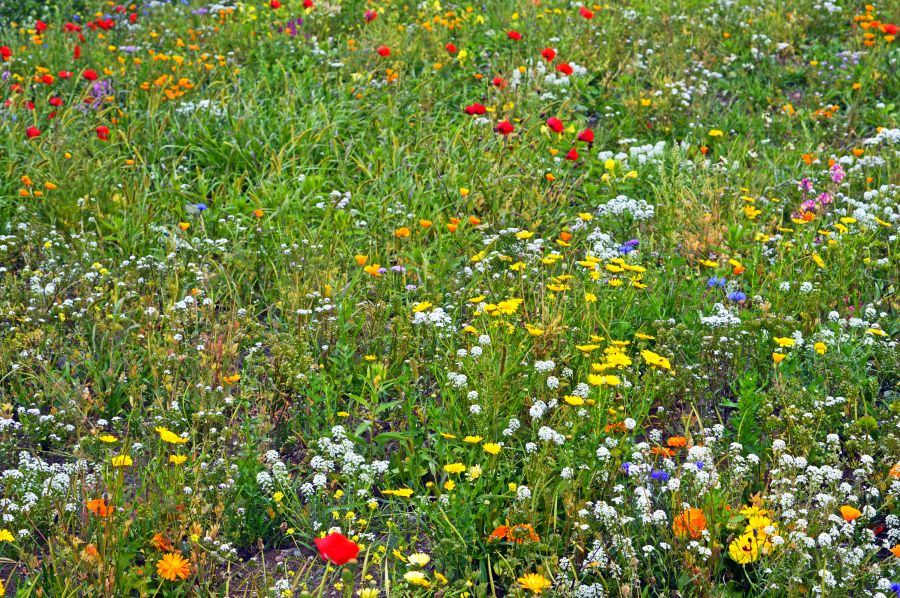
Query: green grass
x,y
554,348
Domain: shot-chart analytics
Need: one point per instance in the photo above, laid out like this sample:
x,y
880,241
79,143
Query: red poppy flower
x,y
383,51
475,109
76,53
29,105
505,128
450,48
56,102
90,75
370,15
307,3
565,68
5,52
64,74
890,28
587,136
572,154
555,124
514,35
337,549
275,4
47,79
585,13
32,132
498,82
71,27
102,133
40,26
549,54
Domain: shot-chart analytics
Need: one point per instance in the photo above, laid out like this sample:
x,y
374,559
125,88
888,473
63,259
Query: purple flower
x,y
824,199
806,185
736,296
399,269
626,467
837,173
699,464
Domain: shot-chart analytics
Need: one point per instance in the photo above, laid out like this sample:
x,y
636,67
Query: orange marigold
x,y
691,523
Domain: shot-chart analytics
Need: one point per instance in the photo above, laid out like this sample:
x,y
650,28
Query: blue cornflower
x,y
626,466
659,475
737,296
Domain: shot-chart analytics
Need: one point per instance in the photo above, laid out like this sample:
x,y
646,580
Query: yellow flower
x,y
169,436
524,234
744,549
533,330
108,439
418,307
454,468
122,461
715,133
472,439
534,583
778,357
416,578
820,348
785,341
6,536
419,559
573,400
401,492
876,331
655,359
491,448
278,496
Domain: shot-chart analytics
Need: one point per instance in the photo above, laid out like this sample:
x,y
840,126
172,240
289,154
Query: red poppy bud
x,y
76,53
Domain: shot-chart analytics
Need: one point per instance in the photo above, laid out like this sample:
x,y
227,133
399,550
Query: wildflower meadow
x,y
400,298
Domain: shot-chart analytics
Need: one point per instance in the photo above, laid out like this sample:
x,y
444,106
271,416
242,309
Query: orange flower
x,y
161,543
521,532
99,507
474,221
677,442
690,523
499,533
662,451
895,471
173,566
850,513
565,236
425,223
402,232
896,551
258,213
